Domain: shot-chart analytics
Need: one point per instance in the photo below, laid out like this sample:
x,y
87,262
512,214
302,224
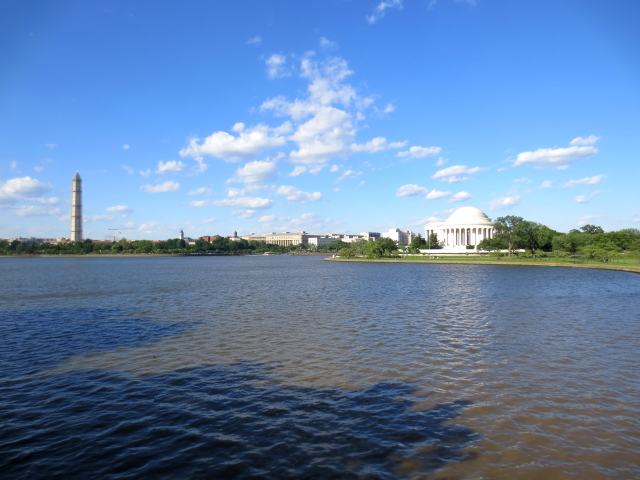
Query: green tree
x,y
417,243
346,252
591,229
509,229
432,241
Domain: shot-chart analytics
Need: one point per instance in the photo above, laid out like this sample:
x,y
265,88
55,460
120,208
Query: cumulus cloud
x,y
298,170
199,203
38,168
95,218
125,146
420,152
249,143
299,196
255,172
120,209
460,197
559,158
376,145
587,198
276,66
171,166
257,40
244,213
504,202
546,184
35,211
590,140
24,188
129,170
522,180
441,161
169,186
585,181
334,168
455,173
145,173
381,10
349,174
200,191
327,44
435,194
209,220
411,190
267,218
240,201
51,145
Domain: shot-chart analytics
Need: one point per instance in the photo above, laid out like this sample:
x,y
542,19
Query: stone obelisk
x,y
76,208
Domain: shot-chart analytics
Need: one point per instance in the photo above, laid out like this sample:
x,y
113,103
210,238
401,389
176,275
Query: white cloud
x,y
389,108
38,168
327,44
380,10
257,40
244,213
435,194
126,146
376,145
35,211
51,145
587,198
455,173
349,174
588,217
590,140
559,158
13,165
267,218
522,180
276,66
504,202
420,152
441,161
169,186
336,190
198,203
145,173
255,172
546,184
129,170
502,169
244,202
209,220
121,209
298,170
200,191
585,181
249,143
334,168
299,196
23,188
95,218
48,201
460,197
411,190
171,166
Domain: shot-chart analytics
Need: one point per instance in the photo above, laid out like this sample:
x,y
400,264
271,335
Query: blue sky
x,y
324,116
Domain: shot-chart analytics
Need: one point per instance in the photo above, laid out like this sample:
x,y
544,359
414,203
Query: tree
x,y
417,243
534,235
591,229
509,229
346,252
432,241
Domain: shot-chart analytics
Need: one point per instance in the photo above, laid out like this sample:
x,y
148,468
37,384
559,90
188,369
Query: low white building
x,y
465,226
399,236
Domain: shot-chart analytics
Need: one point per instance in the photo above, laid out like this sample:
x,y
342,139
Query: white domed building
x,y
465,226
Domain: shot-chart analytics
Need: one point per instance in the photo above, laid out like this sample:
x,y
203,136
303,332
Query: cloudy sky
x,y
324,116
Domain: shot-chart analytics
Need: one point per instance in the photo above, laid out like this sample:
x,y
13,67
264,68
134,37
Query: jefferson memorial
x,y
465,226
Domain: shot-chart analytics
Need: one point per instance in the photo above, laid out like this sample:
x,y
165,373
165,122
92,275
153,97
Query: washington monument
x,y
76,208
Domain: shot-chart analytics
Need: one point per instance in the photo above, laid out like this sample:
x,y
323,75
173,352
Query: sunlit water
x,y
292,367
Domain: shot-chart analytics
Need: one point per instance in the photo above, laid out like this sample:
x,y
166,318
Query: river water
x,y
292,367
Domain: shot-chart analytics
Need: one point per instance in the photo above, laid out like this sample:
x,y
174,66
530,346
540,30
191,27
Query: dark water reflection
x,y
281,367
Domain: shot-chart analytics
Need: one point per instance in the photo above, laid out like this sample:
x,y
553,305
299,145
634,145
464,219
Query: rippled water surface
x,y
292,367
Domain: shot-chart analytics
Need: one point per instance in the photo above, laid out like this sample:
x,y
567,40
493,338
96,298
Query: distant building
x,y
465,226
76,208
399,236
181,235
319,241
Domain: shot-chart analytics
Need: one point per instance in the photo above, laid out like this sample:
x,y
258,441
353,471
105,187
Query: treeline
x,y
590,241
220,245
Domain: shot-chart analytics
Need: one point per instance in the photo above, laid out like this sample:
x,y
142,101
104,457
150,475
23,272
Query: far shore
x,y
622,268
151,255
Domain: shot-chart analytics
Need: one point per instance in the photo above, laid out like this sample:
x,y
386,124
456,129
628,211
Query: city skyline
x,y
335,117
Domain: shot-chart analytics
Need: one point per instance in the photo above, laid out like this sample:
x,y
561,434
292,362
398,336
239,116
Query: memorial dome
x,y
468,215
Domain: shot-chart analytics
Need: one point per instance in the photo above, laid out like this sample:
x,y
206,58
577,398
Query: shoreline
x,y
151,255
594,266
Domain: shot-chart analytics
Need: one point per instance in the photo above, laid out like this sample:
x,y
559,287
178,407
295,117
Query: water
x,y
291,367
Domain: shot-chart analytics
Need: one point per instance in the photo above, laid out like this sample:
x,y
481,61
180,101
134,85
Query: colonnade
x,y
459,237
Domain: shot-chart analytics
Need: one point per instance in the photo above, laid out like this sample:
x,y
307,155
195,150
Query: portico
x,y
465,226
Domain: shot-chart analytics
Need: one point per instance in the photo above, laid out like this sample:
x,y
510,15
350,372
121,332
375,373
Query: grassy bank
x,y
624,265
